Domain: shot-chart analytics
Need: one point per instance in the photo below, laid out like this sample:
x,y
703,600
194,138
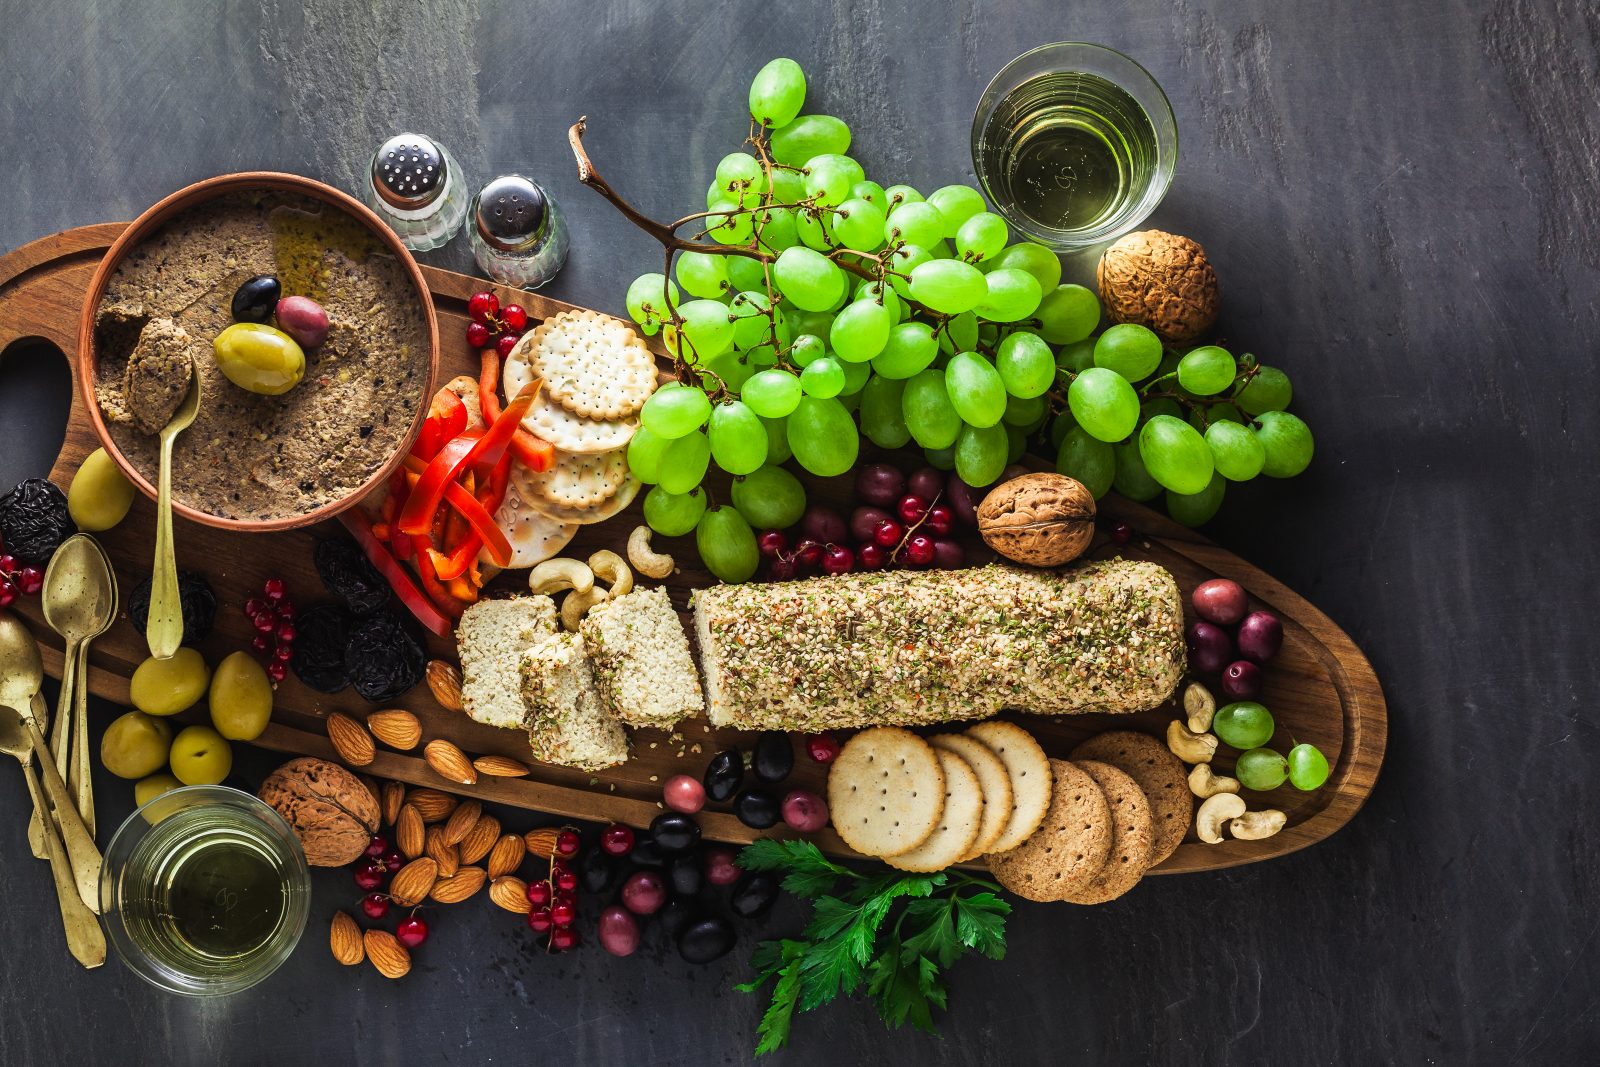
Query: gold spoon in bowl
x,y
164,631
80,601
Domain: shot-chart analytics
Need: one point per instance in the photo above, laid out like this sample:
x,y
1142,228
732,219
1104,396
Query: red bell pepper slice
x,y
476,511
438,594
532,452
467,451
356,521
446,419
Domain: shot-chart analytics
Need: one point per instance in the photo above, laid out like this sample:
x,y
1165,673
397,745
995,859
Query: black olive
x,y
753,894
599,872
646,853
677,913
774,756
686,874
256,299
724,775
674,832
706,940
756,809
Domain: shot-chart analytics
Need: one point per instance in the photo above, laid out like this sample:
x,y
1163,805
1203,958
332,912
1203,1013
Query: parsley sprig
x,y
894,932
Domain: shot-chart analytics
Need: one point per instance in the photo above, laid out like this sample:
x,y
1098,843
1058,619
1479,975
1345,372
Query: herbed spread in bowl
x,y
249,456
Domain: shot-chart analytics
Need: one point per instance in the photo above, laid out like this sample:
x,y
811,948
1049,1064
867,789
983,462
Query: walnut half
x,y
1043,520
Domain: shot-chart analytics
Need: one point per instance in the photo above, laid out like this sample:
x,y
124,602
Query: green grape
x,y
649,298
806,350
1060,426
879,293
740,178
896,195
1076,357
1036,259
812,229
1131,350
749,311
777,93
729,223
732,367
1207,370
860,331
1236,451
788,186
1068,313
746,274
1175,454
1012,294
1026,365
909,349
808,279
1087,459
927,410
706,331
882,421
1197,509
644,455
823,378
1268,390
674,514
714,194
823,436
942,458
772,394
1016,442
905,260
807,136
1026,412
1261,769
761,356
947,286
915,223
727,545
738,440
675,410
858,224
769,498
849,401
957,203
829,178
684,462
981,454
872,193
816,323
1161,405
1131,479
982,236
1221,413
1243,724
976,390
1308,767
777,440
1104,403
855,376
962,332
851,167
776,230
1287,443
941,250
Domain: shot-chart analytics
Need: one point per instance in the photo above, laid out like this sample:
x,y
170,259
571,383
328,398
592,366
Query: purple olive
x,y
803,810
1260,636
1241,680
720,868
864,522
619,931
880,484
1210,648
964,499
948,555
927,483
303,319
824,525
1221,600
644,892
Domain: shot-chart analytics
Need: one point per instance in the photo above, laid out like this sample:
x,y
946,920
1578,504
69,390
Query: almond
x,y
461,822
449,762
448,857
397,729
506,856
412,882
350,740
445,681
410,836
465,882
500,767
432,804
511,893
387,954
345,939
480,839
541,842
394,795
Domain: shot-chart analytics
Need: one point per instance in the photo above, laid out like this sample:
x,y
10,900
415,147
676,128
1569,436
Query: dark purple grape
x,y
964,499
1015,470
1260,636
948,554
864,522
1210,648
880,484
926,484
706,940
824,525
1221,600
1241,680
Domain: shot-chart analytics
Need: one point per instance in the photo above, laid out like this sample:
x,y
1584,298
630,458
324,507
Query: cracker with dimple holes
x,y
1030,774
1131,826
992,777
581,516
534,535
592,364
574,480
886,791
959,823
1069,849
547,419
1161,775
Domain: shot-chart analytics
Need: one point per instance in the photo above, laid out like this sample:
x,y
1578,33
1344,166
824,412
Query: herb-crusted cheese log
x,y
641,660
912,647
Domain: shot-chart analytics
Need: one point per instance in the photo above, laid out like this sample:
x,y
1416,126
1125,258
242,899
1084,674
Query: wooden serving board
x,y
1320,688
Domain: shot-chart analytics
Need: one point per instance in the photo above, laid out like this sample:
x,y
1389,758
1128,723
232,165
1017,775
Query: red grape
x,y
823,524
865,521
803,810
684,793
1210,648
1221,600
963,500
618,931
927,483
879,484
949,554
644,892
1260,636
941,517
1241,680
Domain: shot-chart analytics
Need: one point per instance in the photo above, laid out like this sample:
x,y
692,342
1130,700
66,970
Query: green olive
x,y
259,358
100,494
167,686
241,698
135,745
200,756
147,789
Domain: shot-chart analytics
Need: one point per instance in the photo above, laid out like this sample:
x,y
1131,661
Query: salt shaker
x,y
416,187
517,233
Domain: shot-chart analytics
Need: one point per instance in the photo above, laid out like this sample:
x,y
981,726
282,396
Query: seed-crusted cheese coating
x,y
490,637
641,659
913,647
566,723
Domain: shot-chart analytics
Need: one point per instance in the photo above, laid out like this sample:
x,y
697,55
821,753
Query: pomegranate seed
x,y
919,550
870,555
772,543
286,631
8,593
822,747
505,344
30,580
482,306
563,938
376,905
941,517
567,843
1122,533
8,563
261,644
617,840
477,335
807,553
564,880
539,920
838,560
369,875
888,533
274,589
277,670
377,846
514,318
911,509
538,894
411,932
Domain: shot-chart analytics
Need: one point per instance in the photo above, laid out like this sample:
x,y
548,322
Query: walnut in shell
x,y
1162,281
1043,520
329,809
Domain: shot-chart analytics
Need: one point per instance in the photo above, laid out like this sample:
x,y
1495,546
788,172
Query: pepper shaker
x,y
517,233
416,187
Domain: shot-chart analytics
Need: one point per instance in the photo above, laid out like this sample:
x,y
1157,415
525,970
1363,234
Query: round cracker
x,y
959,823
583,516
575,481
1131,826
1029,769
592,364
534,535
994,779
885,791
547,419
1069,849
1161,775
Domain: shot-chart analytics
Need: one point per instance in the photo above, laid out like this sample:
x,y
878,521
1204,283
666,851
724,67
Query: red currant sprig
x,y
17,580
272,615
493,326
555,899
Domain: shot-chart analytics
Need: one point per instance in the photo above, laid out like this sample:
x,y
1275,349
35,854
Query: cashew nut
x,y
1213,813
1200,706
1258,825
1189,746
609,567
1203,782
554,575
575,605
645,560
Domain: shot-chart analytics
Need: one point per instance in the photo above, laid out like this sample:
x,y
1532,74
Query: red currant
x,y
274,589
8,563
30,580
282,652
807,553
256,606
277,670
538,894
514,318
369,875
919,550
286,631
941,517
539,920
375,905
264,623
8,592
478,335
563,914
617,840
377,846
261,644
563,938
483,306
565,880
505,344
870,555
393,860
567,843
772,543
911,508
888,533
1122,533
822,747
285,611
411,932
838,560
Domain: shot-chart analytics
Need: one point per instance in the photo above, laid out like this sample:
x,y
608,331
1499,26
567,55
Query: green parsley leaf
x,y
981,923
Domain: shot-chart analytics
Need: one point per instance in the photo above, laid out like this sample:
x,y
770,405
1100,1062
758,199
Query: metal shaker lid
x,y
511,213
408,171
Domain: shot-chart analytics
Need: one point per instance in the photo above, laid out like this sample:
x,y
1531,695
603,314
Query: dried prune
x,y
382,657
199,605
34,521
321,634
350,576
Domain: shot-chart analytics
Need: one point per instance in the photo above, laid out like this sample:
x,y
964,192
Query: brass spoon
x,y
79,600
105,604
164,631
20,676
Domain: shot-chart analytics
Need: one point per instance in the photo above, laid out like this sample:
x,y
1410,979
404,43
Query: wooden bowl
x,y
145,225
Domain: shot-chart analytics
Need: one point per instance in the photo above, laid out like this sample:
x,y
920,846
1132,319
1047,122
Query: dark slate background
x,y
1401,203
